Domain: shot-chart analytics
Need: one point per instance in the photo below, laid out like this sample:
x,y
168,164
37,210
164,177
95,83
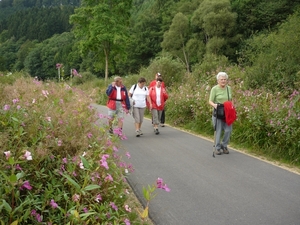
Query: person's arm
x,y
149,99
211,98
109,89
213,104
127,102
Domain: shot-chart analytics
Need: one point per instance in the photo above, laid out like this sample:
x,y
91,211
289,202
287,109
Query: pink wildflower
x,y
27,155
128,155
59,142
6,107
76,197
15,100
127,208
18,167
98,198
108,178
53,204
89,135
127,222
7,154
85,210
112,204
26,185
161,185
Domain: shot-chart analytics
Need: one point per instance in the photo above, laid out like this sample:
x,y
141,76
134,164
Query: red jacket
x,y
111,92
163,97
153,84
230,113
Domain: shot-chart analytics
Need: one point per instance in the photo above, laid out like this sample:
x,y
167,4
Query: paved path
x,y
234,189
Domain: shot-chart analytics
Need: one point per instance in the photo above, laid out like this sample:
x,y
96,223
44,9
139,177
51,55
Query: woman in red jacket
x,y
158,95
117,100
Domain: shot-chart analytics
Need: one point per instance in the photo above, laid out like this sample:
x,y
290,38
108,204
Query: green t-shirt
x,y
220,95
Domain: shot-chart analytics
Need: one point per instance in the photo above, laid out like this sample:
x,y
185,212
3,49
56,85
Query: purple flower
x,y
15,100
112,204
85,210
7,154
76,198
98,198
26,185
53,204
27,155
59,142
127,222
161,185
89,135
108,178
18,167
6,107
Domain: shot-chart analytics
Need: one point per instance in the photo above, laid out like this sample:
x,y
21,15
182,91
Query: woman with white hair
x,y
220,94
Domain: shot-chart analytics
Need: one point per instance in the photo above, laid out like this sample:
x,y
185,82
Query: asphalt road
x,y
234,189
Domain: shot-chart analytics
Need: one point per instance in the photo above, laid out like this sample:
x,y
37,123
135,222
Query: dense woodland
x,y
121,37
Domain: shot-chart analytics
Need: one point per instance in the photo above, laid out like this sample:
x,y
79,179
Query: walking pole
x,y
215,145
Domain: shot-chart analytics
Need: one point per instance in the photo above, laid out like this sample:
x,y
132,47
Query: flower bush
x,y
267,123
58,163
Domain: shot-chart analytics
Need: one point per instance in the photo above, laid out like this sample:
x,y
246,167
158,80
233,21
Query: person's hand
x,y
113,84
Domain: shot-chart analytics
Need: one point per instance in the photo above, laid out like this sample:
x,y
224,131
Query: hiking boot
x,y
141,132
225,150
137,133
156,131
162,125
218,152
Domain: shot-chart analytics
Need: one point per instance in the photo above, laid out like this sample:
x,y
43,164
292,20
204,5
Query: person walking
x,y
139,94
118,99
153,84
220,94
158,96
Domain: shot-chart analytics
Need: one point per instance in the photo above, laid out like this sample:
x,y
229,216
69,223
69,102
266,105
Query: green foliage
x,y
217,21
103,29
57,166
210,63
175,39
171,70
42,59
258,15
274,57
38,23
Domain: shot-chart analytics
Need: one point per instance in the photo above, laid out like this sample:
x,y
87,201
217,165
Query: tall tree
x,y
176,37
102,26
217,21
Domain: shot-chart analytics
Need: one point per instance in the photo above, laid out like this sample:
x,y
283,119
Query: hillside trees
x,y
273,58
42,59
257,15
38,24
102,27
215,20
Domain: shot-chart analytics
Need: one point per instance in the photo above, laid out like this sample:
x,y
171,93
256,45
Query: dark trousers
x,y
162,119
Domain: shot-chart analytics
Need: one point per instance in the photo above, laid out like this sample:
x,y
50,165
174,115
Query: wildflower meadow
x,y
59,165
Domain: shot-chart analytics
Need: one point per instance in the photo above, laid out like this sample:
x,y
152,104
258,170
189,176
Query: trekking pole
x,y
215,145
